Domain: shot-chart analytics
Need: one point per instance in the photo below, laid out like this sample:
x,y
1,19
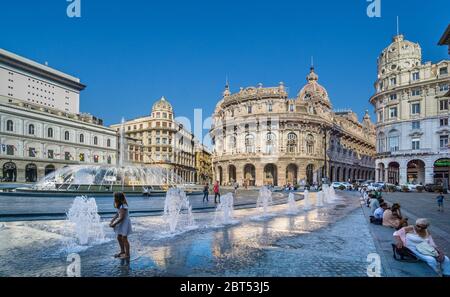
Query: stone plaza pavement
x,y
334,240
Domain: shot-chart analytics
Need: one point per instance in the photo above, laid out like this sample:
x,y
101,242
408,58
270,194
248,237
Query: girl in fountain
x,y
216,191
122,225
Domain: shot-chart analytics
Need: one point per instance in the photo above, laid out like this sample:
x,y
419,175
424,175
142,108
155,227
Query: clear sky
x,y
130,53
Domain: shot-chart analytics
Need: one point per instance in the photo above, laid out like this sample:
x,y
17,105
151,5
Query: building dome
x,y
399,55
162,105
313,90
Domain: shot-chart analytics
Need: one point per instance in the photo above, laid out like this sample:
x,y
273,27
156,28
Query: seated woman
x,y
418,239
393,217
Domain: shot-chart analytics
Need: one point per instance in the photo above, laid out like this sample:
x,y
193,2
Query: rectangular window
x,y
393,143
443,71
415,92
392,112
380,116
291,107
50,154
443,87
443,105
415,144
31,152
443,141
269,107
393,97
393,81
415,108
10,150
415,124
443,122
249,109
415,76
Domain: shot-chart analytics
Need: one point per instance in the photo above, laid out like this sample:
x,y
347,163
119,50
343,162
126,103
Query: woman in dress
x,y
122,225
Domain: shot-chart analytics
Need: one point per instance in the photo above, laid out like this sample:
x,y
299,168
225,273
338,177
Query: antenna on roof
x,y
312,61
398,27
46,63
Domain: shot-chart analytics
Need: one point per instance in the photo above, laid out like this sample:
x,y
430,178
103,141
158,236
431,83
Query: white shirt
x,y
378,214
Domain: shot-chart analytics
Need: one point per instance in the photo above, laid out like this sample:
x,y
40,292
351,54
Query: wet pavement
x,y
330,241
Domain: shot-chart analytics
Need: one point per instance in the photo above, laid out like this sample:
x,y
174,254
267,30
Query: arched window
x,y
381,141
108,143
291,142
50,132
31,129
67,136
81,138
270,143
9,126
95,140
310,144
249,143
232,143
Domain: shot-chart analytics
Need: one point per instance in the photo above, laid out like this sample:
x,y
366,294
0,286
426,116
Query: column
x,y
429,173
403,175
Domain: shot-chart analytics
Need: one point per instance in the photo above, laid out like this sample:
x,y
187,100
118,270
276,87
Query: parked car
x,y
433,187
376,186
347,185
336,185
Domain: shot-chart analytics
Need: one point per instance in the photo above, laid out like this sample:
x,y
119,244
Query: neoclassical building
x,y
412,106
162,140
261,136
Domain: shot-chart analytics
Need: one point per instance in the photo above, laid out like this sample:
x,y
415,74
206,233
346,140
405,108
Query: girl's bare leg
x,y
126,245
121,243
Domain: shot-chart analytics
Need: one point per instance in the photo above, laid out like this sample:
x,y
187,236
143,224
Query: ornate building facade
x,y
203,164
412,106
162,140
261,136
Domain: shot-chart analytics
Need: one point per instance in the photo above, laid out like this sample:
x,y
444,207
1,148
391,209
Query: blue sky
x,y
130,53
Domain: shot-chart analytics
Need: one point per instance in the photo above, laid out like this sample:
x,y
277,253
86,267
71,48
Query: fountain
x,y
292,205
332,194
306,202
319,199
176,202
104,179
85,220
264,200
224,211
326,193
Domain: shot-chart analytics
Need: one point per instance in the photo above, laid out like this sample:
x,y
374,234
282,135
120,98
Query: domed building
x,y
411,103
159,139
261,137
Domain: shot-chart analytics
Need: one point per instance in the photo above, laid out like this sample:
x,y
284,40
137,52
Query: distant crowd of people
x,y
416,237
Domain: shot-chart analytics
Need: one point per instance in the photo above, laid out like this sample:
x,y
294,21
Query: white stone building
x,y
31,82
412,106
41,129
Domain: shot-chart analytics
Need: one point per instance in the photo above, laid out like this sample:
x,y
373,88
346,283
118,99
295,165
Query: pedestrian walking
x,y
216,191
206,193
440,201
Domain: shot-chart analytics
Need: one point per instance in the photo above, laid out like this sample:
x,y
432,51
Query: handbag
x,y
426,249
